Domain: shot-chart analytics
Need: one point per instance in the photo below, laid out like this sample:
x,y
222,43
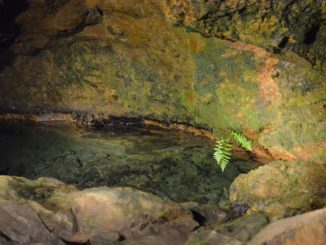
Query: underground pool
x,y
169,163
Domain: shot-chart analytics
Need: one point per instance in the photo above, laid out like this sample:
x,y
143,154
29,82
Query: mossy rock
x,y
144,61
282,188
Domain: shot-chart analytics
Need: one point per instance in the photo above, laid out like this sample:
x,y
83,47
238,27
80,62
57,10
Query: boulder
x,y
243,228
58,212
117,209
281,188
61,223
235,232
48,191
173,232
20,224
308,229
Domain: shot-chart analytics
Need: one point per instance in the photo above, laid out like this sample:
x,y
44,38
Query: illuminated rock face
x,y
149,59
282,189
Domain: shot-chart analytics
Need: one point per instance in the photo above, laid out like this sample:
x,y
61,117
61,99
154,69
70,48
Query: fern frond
x,y
222,153
242,140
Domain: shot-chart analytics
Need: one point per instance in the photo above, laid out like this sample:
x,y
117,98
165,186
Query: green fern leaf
x,y
222,153
242,140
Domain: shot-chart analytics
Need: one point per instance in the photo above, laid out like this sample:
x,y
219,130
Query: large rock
x,y
117,209
308,229
173,232
20,224
126,59
52,212
235,232
282,188
62,223
243,228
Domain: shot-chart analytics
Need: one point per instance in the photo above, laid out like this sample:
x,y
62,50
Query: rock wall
x,y
145,59
275,25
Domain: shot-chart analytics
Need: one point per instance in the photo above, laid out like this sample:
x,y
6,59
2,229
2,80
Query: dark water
x,y
168,163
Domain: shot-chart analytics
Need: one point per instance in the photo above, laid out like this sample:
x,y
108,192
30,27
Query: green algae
x,y
225,86
302,111
32,190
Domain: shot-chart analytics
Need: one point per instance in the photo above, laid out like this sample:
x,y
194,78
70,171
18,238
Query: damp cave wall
x,y
254,66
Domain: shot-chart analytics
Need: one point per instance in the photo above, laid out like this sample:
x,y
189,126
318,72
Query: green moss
x,y
32,190
282,188
263,25
302,111
225,88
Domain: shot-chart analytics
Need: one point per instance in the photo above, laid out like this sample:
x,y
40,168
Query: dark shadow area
x,y
9,29
310,36
283,42
200,219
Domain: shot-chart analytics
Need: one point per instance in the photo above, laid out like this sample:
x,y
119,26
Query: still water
x,y
169,163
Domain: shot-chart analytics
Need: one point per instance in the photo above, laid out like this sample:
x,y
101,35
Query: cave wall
x,y
173,60
293,25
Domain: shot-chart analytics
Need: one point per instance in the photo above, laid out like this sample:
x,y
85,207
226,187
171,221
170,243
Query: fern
x,y
222,153
242,140
223,147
